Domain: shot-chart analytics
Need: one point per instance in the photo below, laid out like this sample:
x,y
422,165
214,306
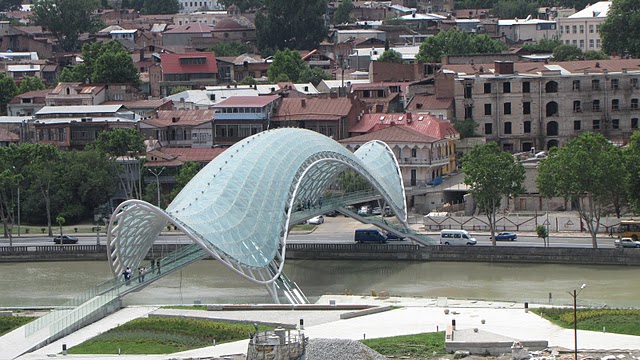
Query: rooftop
x,y
247,101
47,110
313,109
597,10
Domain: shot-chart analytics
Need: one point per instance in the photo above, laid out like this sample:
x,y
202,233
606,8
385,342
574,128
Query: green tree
x,y
351,181
178,89
120,142
103,62
581,172
152,7
43,174
466,127
30,83
542,233
291,24
248,80
8,90
543,46
10,179
343,12
491,175
454,42
391,56
595,55
66,19
60,220
187,171
10,5
313,75
230,48
621,30
632,164
567,53
287,62
511,9
244,5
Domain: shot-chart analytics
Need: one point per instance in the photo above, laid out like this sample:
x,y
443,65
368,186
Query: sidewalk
x,y
415,315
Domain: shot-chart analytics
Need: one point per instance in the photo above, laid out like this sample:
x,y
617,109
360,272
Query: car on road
x,y
65,239
316,220
627,243
376,211
331,213
393,237
364,211
505,235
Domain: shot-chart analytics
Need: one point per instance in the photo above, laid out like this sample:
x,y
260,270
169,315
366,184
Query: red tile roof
x,y
379,85
424,124
191,28
8,136
171,63
428,102
178,156
34,94
246,101
139,104
313,109
392,134
180,118
575,67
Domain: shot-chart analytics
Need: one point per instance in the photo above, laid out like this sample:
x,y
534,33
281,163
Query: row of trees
x,y
288,65
9,89
454,42
589,172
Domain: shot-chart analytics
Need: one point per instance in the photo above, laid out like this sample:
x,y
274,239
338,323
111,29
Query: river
x,y
53,283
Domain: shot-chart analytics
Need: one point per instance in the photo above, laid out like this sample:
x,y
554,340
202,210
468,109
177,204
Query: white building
x,y
582,29
189,6
527,29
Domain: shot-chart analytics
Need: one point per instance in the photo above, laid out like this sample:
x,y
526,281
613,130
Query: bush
x,y
43,230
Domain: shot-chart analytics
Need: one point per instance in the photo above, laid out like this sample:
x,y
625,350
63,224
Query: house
x,y
234,27
518,30
315,58
144,108
383,96
239,117
21,126
74,127
185,34
190,6
192,70
427,104
27,104
7,138
191,100
582,29
236,68
76,93
330,117
180,128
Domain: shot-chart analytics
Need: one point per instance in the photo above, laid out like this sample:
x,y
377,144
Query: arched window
x,y
552,128
552,108
551,87
552,144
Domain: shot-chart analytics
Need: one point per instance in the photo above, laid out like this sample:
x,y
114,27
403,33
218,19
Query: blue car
x,y
509,236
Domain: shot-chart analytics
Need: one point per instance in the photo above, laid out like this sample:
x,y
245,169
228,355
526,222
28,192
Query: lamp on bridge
x,y
575,319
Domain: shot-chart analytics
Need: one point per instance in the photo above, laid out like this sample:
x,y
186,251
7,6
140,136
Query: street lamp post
x,y
575,320
157,174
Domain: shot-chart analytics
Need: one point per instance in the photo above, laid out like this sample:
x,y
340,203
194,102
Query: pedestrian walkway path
x,y
415,315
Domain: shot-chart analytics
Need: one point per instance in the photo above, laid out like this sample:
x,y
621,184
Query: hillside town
x,y
200,76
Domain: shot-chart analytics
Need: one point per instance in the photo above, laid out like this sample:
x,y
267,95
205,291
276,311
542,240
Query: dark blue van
x,y
369,236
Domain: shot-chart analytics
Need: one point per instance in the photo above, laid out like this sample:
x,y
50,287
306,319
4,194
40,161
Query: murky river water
x,y
53,283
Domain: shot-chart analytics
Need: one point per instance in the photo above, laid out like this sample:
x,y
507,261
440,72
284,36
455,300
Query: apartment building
x,y
536,105
582,29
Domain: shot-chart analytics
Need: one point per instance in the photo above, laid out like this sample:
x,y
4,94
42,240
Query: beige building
x,y
582,29
536,105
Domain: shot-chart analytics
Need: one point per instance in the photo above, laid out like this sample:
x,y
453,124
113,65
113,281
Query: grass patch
x,y
417,345
8,323
158,335
186,307
303,227
619,321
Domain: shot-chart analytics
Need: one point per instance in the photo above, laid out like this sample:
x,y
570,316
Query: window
x,y
615,84
507,128
487,109
575,29
581,29
551,87
596,124
634,104
414,153
526,87
488,128
595,105
526,108
576,85
598,28
577,124
615,123
591,29
468,112
597,43
634,123
487,88
507,108
575,42
506,87
527,127
576,106
595,84
552,108
468,90
634,83
615,105
591,44
567,29
581,43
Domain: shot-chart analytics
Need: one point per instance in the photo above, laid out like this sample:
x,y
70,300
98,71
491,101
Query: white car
x,y
627,243
317,220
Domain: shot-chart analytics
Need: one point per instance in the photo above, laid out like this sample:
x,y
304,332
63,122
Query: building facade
x,y
582,29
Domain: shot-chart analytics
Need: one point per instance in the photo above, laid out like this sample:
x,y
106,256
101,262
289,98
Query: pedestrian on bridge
x,y
158,265
153,265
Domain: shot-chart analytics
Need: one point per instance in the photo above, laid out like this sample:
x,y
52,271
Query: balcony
x,y
423,162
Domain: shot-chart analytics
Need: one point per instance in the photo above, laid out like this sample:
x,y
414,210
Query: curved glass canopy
x,y
239,206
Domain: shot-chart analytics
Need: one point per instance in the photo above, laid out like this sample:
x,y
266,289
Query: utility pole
x,y
157,175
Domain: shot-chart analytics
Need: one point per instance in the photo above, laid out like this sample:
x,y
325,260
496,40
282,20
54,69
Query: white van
x,y
456,238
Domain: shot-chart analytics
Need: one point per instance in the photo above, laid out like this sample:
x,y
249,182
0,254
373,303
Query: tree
x,y
567,53
543,46
152,7
491,175
231,48
351,181
248,80
291,24
10,5
510,9
8,90
287,62
178,89
120,142
391,56
454,42
580,172
595,55
621,30
66,19
187,171
313,75
343,12
542,233
60,220
44,173
9,182
107,62
466,127
30,83
632,164
244,5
